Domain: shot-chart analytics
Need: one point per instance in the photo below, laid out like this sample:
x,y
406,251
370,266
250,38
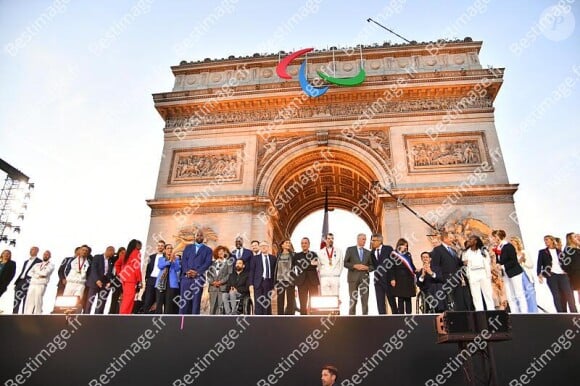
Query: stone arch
x,y
296,177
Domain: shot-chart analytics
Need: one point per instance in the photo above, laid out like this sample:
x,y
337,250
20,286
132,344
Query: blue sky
x,y
77,116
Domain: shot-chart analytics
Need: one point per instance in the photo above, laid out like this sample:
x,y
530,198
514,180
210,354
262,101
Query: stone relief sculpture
x,y
425,153
335,110
267,148
463,226
379,142
193,166
204,164
186,235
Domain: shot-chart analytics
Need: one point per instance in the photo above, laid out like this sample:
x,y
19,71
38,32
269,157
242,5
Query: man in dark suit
x,y
262,268
551,266
384,264
429,282
151,273
99,281
358,261
63,271
195,261
7,270
239,252
446,262
307,280
23,280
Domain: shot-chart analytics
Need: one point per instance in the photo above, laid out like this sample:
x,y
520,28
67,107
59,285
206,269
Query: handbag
x,y
162,283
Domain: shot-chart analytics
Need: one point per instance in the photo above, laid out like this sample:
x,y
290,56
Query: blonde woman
x,y
571,260
7,270
528,278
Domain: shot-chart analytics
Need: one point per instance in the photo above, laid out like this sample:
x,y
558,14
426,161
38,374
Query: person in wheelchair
x,y
236,299
429,283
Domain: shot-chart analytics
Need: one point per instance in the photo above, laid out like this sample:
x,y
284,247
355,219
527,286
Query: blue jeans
x,y
530,292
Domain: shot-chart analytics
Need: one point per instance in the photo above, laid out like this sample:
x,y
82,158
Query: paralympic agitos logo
x,y
310,89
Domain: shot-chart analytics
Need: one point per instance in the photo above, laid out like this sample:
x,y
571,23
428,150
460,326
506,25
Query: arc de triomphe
x,y
249,153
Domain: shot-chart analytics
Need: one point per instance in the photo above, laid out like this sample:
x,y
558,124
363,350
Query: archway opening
x,y
345,226
302,184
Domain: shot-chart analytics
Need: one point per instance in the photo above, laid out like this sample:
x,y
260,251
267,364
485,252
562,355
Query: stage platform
x,y
254,350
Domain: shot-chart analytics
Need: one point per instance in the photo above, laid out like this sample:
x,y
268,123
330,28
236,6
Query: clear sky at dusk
x,y
77,115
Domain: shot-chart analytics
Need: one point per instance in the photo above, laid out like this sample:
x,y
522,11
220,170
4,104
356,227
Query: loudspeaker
x,y
462,326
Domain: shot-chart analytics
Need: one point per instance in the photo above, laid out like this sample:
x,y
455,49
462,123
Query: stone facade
x,y
248,153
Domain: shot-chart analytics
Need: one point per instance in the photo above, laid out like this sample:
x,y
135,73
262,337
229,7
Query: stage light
x,y
67,305
16,229
324,305
12,243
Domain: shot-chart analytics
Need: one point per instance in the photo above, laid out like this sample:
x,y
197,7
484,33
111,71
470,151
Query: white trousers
x,y
34,297
514,290
480,284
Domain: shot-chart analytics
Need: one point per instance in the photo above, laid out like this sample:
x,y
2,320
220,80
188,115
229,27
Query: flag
x,y
325,221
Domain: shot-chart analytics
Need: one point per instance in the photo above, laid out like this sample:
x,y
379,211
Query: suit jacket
x,y
384,265
199,261
28,268
64,268
246,256
509,259
7,275
97,271
222,275
545,261
257,269
351,258
444,263
130,271
307,273
239,282
150,265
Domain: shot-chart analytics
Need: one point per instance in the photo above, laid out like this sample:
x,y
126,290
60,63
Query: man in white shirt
x,y
151,273
330,264
39,277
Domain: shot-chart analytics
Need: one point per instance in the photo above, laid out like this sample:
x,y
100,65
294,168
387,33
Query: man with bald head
x,y
99,281
39,277
23,280
195,261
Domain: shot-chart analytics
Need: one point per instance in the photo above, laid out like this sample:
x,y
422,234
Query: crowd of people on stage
x,y
451,277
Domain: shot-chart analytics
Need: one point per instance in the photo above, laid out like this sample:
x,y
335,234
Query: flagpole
x,y
325,220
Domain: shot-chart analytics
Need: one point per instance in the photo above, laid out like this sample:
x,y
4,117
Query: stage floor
x,y
255,350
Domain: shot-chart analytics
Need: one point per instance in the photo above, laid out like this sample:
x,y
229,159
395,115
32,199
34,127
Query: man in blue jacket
x,y
195,261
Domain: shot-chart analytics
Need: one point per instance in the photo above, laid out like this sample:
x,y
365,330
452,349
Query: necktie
x,y
451,251
267,266
360,254
106,266
239,254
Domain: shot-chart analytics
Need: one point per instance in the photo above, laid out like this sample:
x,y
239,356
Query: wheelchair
x,y
244,306
423,307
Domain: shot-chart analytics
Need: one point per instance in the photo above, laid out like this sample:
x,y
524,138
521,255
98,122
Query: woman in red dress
x,y
129,270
